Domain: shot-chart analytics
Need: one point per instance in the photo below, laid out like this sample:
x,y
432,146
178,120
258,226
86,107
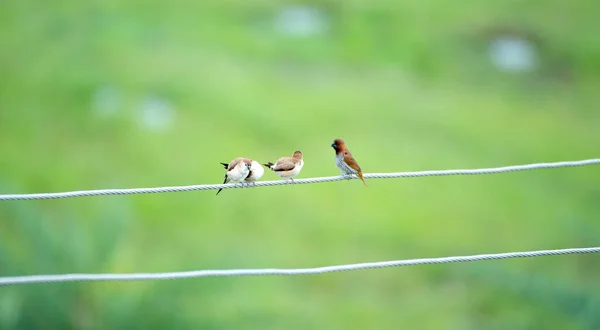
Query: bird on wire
x,y
238,170
287,167
344,160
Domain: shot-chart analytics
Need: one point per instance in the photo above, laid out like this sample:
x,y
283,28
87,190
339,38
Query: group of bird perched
x,y
247,170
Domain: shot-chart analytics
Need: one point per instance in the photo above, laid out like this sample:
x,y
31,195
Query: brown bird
x,y
238,170
344,160
287,167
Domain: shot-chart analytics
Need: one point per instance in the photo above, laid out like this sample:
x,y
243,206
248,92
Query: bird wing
x,y
285,164
236,161
350,161
233,163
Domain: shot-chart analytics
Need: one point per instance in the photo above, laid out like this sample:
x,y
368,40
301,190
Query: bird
x,y
344,160
287,167
237,170
256,172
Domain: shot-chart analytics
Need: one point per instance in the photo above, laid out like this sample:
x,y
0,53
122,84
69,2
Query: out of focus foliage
x,y
135,94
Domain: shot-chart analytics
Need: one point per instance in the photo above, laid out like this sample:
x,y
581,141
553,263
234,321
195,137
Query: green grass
x,y
407,85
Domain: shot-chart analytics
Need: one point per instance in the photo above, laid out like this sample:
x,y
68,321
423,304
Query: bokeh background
x,y
124,94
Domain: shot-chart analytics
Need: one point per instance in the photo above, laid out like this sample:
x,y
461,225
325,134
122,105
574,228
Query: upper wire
x,y
132,191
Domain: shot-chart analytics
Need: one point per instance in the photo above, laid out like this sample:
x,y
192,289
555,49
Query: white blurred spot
x,y
513,54
106,101
156,114
300,21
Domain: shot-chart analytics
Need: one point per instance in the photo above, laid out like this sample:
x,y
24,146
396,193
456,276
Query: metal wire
x,y
298,181
14,280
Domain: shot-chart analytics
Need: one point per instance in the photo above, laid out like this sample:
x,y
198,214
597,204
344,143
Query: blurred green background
x,y
124,94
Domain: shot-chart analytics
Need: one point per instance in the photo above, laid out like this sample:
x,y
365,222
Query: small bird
x,y
287,167
256,172
237,170
344,160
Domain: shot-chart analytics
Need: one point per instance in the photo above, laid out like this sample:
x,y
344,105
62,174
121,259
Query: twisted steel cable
x,y
132,191
30,279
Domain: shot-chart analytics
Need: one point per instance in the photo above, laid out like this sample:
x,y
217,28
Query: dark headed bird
x,y
344,160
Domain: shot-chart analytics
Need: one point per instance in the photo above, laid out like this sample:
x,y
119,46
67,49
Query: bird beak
x,y
333,144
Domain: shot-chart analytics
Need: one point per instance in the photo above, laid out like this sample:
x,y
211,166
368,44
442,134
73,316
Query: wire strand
x,y
15,280
132,191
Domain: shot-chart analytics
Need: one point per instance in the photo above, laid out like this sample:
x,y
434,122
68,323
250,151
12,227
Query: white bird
x,y
237,170
288,167
256,172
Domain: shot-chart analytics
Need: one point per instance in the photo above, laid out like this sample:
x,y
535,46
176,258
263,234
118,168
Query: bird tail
x,y
269,165
360,175
224,181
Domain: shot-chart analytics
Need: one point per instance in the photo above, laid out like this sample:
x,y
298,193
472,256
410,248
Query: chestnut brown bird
x,y
344,160
287,167
238,170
